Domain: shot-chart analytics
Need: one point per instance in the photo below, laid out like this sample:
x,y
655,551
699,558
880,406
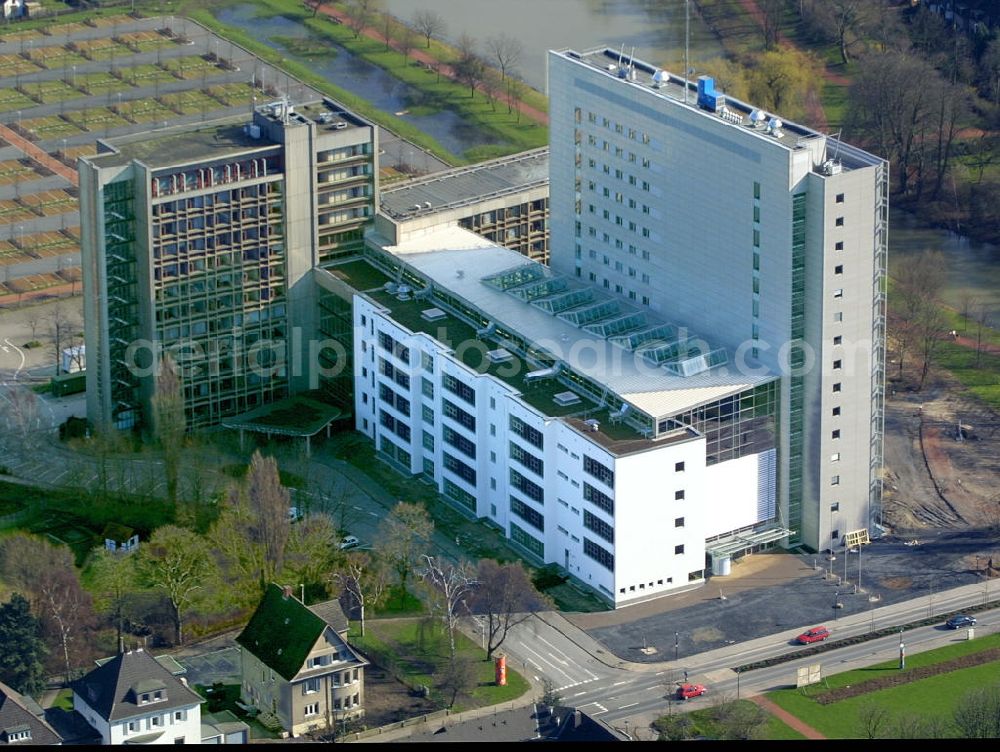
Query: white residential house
x,y
132,699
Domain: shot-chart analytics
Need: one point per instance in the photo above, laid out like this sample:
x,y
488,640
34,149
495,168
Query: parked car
x,y
816,634
960,620
349,541
687,691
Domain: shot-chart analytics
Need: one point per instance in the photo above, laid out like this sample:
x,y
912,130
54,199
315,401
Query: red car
x,y
816,634
687,691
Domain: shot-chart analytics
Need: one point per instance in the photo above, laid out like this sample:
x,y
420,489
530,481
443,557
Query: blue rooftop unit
x,y
708,97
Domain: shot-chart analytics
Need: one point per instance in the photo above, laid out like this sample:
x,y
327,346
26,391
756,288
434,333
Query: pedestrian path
x,y
39,155
787,718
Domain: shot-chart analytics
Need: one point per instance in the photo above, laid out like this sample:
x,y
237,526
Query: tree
x,y
506,596
269,505
468,67
977,715
359,14
507,50
843,21
449,585
771,12
916,318
21,664
21,423
179,563
63,330
241,557
365,579
68,611
458,678
874,719
781,79
407,41
113,580
401,534
310,549
429,24
169,422
515,90
491,85
313,5
739,720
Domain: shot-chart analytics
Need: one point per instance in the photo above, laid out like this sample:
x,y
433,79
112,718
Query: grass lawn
x,y
12,99
100,83
937,695
190,102
64,700
703,724
421,651
188,67
96,118
400,602
141,75
53,91
146,111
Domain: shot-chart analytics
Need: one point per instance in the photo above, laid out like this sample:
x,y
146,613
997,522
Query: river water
x,y
358,77
656,29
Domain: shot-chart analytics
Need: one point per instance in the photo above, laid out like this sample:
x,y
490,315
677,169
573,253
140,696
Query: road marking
x,y
579,694
630,705
618,684
4,348
591,674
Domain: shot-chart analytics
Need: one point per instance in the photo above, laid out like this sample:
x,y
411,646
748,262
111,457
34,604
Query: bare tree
x,y
507,50
515,90
874,719
313,5
429,24
20,419
365,579
915,317
771,12
407,41
506,596
401,534
977,715
269,505
387,29
491,85
980,314
62,326
449,585
468,67
359,15
179,563
169,422
458,678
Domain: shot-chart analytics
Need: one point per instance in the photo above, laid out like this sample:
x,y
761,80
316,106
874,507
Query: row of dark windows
x,y
598,499
599,526
388,396
398,427
526,513
599,471
532,435
400,377
525,486
602,556
457,414
460,469
461,443
390,345
459,388
530,461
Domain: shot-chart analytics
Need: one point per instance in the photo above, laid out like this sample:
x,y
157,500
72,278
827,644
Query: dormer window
x,y
319,660
17,734
144,698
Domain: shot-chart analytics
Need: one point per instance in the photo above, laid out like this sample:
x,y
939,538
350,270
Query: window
x,y
839,245
427,387
839,222
155,721
531,435
458,415
428,414
836,387
460,389
835,412
838,340
462,444
837,364
678,522
840,198
834,535
756,190
530,461
602,556
599,471
835,457
835,480
835,434
678,495
310,686
526,513
460,469
679,549
428,439
678,467
179,715
133,726
598,499
838,269
838,293
599,526
838,316
427,361
311,709
525,486
835,506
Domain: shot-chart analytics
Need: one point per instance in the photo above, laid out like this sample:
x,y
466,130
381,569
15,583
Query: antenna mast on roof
x,y
687,45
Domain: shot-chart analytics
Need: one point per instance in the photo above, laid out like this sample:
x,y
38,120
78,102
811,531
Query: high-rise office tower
x,y
765,235
200,242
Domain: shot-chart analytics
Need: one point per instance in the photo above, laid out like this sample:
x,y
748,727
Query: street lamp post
x,y
677,637
737,684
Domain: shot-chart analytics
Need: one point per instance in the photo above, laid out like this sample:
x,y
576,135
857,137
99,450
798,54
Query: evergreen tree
x,y
21,657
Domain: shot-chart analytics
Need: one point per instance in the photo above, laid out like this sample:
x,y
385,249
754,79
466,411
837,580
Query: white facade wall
x,y
187,726
740,493
643,523
682,200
